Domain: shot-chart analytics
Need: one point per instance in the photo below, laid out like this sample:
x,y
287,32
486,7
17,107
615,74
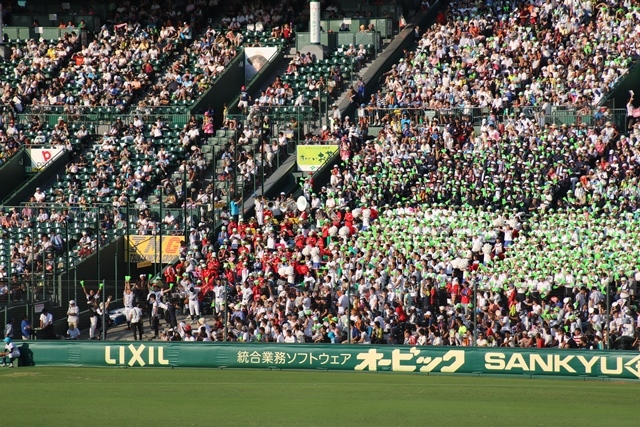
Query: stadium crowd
x,y
379,255
129,162
31,65
262,16
526,230
114,69
516,54
89,81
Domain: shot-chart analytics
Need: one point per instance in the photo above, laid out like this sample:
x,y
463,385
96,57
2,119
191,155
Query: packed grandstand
x,y
483,192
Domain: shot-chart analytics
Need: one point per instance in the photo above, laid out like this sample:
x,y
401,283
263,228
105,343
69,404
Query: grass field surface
x,y
197,397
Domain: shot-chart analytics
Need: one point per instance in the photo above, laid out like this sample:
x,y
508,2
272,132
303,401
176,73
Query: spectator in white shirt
x,y
39,195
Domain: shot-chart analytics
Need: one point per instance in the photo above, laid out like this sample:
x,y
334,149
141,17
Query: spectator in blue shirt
x,y
25,328
235,208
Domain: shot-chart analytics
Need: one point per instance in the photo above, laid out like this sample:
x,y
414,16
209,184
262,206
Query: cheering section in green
x,y
531,167
499,249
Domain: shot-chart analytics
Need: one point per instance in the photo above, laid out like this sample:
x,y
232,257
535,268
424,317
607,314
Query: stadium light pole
x,y
349,312
33,267
7,249
66,257
104,304
128,242
607,343
225,284
235,165
115,273
475,315
160,229
184,196
75,281
262,154
44,276
154,234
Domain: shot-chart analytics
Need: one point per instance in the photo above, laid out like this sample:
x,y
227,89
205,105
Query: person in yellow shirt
x,y
462,329
51,52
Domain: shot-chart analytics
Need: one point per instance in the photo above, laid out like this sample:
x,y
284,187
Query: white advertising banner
x,y
41,157
314,22
255,58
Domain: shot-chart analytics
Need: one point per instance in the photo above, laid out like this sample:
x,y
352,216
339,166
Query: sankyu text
x,y
134,355
559,363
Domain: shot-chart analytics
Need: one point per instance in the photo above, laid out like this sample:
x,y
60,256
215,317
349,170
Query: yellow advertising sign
x,y
311,157
147,248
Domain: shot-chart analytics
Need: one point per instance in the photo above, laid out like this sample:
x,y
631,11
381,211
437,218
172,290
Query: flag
x,y
402,22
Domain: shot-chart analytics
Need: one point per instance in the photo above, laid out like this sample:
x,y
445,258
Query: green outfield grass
x,y
198,397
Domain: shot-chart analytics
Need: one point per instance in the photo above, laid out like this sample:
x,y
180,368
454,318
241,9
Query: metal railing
x,y
238,183
99,115
592,116
43,272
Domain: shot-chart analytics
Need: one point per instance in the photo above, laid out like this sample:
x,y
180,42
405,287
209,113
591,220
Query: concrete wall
x,y
226,87
112,270
620,93
26,190
258,81
391,55
12,173
383,63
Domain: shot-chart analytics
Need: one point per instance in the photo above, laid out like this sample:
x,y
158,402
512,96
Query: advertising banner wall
x,y
40,157
255,58
311,157
314,22
147,248
610,364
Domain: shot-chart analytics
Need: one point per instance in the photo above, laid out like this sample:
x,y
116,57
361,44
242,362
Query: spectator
x,y
73,333
73,315
135,319
25,328
9,329
46,325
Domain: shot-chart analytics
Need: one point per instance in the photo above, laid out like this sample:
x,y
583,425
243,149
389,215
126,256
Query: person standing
x,y
46,324
157,293
194,304
155,314
91,294
9,329
259,205
172,309
220,296
25,328
135,320
94,316
10,351
104,309
73,315
234,208
127,301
